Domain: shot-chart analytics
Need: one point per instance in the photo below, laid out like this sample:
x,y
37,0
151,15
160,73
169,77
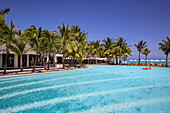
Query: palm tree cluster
x,y
146,51
69,42
165,47
110,48
141,48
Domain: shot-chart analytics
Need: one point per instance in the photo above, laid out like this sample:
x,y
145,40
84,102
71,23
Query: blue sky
x,y
134,20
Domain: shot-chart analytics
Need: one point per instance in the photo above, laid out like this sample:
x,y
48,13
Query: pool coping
x,y
40,71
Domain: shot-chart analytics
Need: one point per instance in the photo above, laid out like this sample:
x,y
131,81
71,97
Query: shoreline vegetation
x,y
71,42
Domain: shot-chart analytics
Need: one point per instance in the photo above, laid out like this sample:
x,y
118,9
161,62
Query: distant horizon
x,y
134,20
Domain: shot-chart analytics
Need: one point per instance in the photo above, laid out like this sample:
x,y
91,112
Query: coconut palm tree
x,y
7,33
120,45
141,45
124,49
82,45
108,42
43,50
72,51
82,53
109,45
78,39
116,52
89,50
64,34
49,44
126,53
19,47
7,37
34,35
165,47
146,51
101,51
96,47
2,16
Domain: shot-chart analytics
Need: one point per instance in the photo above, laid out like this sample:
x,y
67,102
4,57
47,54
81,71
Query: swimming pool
x,y
99,89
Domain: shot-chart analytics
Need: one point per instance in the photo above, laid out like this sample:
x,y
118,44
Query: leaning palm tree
x,y
141,45
146,51
19,47
165,47
34,35
7,36
7,33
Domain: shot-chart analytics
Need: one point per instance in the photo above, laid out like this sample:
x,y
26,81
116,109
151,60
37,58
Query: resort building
x,y
13,59
28,59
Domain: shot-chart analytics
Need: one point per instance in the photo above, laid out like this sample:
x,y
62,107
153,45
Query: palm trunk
x,y
63,59
81,63
43,60
126,59
167,60
21,63
146,60
116,61
35,61
54,59
6,59
49,61
71,62
108,60
139,59
74,60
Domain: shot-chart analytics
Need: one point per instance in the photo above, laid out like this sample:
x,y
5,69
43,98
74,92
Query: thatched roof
x,y
3,50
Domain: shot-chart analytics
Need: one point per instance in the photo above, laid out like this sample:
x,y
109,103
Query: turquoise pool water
x,y
99,89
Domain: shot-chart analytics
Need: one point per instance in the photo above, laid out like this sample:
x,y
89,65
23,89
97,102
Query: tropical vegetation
x,y
146,51
165,47
71,42
140,46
